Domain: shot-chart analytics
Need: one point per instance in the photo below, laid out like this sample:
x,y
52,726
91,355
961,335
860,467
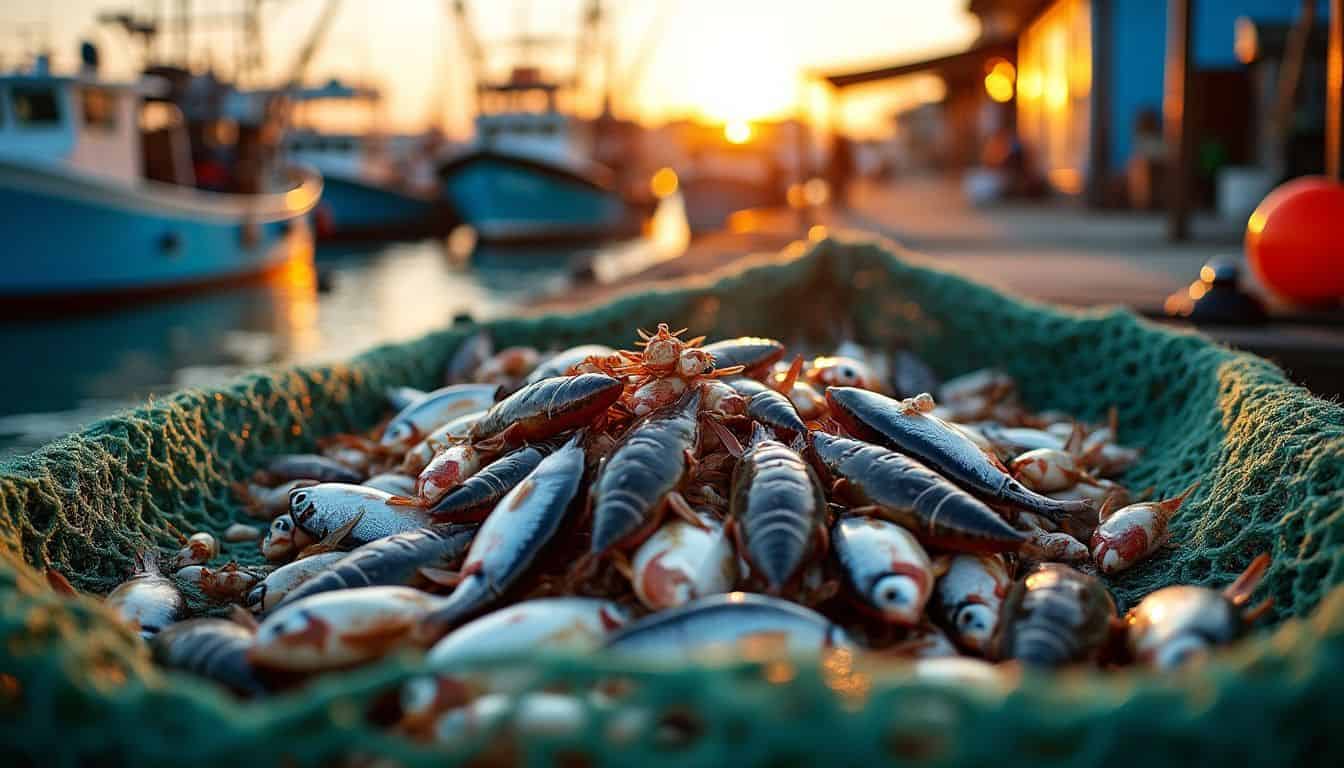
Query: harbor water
x,y
70,367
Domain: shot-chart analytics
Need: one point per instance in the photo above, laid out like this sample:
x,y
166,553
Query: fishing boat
x,y
373,185
101,196
531,174
525,182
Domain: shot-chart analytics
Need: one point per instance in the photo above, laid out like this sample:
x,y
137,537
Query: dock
x,y
1050,251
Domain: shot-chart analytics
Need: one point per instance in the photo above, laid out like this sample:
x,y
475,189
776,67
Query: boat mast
x,y
474,56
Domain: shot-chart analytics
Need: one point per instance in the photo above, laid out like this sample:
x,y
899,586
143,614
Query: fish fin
x,y
695,342
439,576
59,584
1175,502
1074,445
1108,505
406,501
622,565
731,370
1240,591
785,385
499,441
682,508
726,436
240,616
316,549
335,537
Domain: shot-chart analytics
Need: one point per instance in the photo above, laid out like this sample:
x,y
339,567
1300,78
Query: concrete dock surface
x,y
1053,251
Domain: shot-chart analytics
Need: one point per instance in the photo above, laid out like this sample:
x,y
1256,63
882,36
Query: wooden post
x,y
1334,86
1099,132
1176,118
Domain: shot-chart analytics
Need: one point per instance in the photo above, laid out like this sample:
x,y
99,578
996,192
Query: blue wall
x,y
1139,46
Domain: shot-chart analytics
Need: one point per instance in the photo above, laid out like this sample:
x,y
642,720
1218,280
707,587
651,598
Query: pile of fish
x,y
682,501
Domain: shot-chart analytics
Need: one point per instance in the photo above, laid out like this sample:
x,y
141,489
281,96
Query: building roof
x,y
966,64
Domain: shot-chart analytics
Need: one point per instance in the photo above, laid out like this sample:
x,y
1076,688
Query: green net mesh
x,y
77,689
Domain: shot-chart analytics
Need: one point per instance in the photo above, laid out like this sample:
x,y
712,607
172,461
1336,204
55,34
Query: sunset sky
x,y
708,59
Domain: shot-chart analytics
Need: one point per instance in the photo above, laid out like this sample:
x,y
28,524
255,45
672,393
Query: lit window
x,y
99,106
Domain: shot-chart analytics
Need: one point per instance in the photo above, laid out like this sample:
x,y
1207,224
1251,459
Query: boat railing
x,y
299,192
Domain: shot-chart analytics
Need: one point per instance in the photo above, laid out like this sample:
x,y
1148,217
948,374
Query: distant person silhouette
x,y
840,170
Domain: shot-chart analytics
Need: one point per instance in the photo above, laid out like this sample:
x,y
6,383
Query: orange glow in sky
x,y
719,60
737,131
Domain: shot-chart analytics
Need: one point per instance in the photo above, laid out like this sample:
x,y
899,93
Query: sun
x,y
737,131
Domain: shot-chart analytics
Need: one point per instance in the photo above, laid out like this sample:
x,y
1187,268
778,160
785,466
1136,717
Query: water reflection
x,y
68,370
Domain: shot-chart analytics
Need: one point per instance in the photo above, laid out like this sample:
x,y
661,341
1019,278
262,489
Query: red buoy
x,y
1295,240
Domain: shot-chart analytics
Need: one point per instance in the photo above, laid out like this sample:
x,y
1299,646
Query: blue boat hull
x,y
352,209
509,199
68,235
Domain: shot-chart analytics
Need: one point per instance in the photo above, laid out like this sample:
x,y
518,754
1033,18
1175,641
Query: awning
x,y
966,64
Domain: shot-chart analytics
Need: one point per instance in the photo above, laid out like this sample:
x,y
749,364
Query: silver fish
x,y
148,601
1176,625
397,560
286,578
968,596
326,508
681,562
886,567
417,420
546,624
339,629
737,624
509,540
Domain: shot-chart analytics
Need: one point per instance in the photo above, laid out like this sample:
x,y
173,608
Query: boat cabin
x,y
521,117
93,126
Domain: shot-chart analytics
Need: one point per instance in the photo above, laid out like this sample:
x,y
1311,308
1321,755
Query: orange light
x,y
999,87
737,132
816,232
816,191
664,183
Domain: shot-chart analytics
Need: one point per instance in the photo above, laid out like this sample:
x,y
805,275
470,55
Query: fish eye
x,y
280,525
1181,650
975,620
300,498
896,592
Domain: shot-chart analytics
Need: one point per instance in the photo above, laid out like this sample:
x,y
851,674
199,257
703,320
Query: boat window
x,y
100,108
35,105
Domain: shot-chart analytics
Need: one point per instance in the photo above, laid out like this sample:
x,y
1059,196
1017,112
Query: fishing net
x,y
77,689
